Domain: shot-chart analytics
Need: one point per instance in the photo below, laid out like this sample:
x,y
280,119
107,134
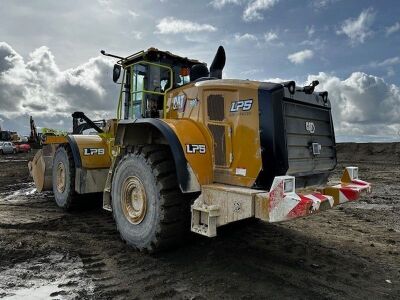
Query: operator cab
x,y
146,79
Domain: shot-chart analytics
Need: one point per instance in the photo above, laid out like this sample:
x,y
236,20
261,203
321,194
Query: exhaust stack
x,y
218,63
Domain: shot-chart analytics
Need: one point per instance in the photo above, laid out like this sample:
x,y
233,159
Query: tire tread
x,y
174,205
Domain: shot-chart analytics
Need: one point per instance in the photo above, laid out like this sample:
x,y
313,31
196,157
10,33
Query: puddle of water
x,y
36,292
28,189
52,276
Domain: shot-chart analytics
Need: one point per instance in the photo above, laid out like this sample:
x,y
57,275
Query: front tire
x,y
150,211
64,178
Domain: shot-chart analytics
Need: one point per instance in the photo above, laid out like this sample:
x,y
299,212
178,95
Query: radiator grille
x,y
218,132
299,140
216,107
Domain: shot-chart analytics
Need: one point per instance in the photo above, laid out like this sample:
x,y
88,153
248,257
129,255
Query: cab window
x,y
149,82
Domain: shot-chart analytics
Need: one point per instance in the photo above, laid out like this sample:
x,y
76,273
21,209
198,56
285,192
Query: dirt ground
x,y
352,251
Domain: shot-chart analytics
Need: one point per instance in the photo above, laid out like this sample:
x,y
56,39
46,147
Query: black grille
x,y
216,107
286,144
218,132
302,160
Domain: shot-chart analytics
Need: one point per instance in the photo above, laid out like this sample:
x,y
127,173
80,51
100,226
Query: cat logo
x,y
310,127
195,148
243,105
178,103
93,151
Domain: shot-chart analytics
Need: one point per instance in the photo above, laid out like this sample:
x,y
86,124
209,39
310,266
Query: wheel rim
x,y
134,200
61,177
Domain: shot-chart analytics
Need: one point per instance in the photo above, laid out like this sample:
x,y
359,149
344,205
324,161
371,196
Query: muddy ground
x,y
352,251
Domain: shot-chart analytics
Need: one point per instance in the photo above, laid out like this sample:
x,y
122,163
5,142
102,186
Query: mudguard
x,y
190,147
90,151
91,157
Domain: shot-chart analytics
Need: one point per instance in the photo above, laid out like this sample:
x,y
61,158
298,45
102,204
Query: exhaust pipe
x,y
218,63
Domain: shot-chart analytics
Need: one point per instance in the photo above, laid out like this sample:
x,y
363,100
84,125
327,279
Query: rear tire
x,y
64,178
150,211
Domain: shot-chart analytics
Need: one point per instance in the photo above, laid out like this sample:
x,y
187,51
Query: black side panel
x,y
272,134
292,126
175,145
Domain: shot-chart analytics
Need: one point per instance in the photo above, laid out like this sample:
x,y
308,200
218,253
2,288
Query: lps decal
x,y
241,105
93,151
195,148
178,103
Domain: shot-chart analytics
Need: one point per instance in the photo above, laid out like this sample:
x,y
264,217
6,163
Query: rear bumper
x,y
282,203
221,204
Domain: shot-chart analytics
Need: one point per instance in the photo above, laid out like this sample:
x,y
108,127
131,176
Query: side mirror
x,y
116,72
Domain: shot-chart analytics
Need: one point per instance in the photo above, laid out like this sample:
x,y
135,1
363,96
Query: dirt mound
x,y
389,152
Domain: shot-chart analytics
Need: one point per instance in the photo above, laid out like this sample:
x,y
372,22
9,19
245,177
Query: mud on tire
x,y
63,178
167,210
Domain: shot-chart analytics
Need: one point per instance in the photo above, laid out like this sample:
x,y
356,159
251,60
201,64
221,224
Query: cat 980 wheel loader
x,y
190,150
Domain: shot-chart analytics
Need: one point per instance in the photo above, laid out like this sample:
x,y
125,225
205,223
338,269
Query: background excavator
x,y
190,150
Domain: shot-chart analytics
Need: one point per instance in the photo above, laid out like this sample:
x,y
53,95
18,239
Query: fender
x,y
193,169
92,161
89,151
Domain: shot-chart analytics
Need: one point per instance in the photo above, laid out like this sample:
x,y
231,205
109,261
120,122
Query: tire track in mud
x,y
326,256
94,229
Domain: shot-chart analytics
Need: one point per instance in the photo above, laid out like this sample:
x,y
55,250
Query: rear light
x,y
353,172
288,185
291,85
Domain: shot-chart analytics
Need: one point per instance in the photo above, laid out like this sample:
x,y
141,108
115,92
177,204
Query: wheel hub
x,y
61,177
134,200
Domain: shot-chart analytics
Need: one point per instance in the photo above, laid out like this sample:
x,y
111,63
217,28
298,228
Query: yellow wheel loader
x,y
190,150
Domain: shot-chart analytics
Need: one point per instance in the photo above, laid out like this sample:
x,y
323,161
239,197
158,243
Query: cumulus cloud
x,y
137,35
362,104
270,36
364,107
38,87
316,44
218,4
310,30
320,4
253,9
133,14
301,56
357,30
387,62
392,29
171,25
245,37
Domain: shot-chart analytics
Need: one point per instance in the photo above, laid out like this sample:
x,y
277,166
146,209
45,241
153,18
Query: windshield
x,y
149,82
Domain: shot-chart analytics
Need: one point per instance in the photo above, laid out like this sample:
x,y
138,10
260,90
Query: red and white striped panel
x,y
309,204
285,206
351,191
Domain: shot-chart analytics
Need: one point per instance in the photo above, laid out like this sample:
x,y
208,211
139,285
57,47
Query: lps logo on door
x,y
243,105
93,151
195,148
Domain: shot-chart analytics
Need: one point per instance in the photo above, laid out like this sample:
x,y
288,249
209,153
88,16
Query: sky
x,y
50,62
